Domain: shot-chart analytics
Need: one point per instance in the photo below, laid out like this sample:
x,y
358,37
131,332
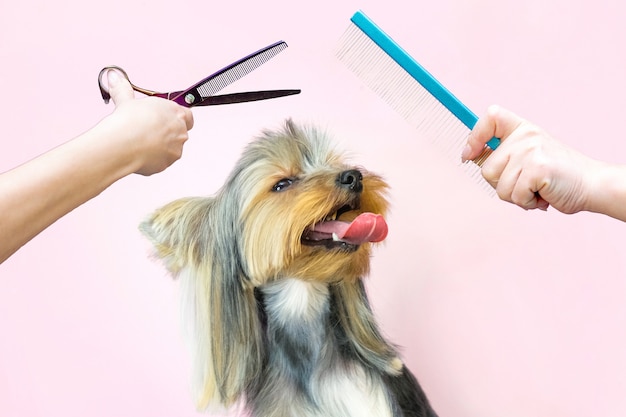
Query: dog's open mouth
x,y
346,228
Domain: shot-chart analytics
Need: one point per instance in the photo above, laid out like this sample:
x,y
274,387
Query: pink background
x,y
500,312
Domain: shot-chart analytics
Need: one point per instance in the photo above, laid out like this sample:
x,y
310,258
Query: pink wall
x,y
500,312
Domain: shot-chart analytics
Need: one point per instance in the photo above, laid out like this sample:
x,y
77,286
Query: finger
x,y
503,122
525,193
522,196
493,168
497,122
119,87
505,182
188,118
542,204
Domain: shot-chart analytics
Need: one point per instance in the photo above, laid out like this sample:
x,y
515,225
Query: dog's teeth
x,y
335,237
331,217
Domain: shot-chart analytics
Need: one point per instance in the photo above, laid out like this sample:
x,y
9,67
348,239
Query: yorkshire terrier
x,y
272,268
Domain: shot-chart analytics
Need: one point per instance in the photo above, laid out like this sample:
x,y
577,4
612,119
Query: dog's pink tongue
x,y
367,227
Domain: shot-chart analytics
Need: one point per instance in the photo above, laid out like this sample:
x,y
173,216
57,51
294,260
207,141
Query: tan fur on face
x,y
272,217
283,216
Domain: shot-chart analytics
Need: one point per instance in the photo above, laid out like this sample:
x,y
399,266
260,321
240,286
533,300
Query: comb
x,y
411,91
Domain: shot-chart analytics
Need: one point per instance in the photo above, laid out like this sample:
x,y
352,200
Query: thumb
x,y
497,122
119,87
502,122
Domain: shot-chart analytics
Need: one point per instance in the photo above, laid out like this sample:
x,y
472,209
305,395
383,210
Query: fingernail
x,y
466,153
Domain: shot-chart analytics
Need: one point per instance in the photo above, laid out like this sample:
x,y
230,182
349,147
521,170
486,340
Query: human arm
x,y
533,170
142,136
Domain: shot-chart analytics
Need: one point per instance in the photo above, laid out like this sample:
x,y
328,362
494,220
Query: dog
x,y
271,269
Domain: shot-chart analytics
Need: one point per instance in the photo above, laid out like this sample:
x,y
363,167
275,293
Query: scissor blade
x,y
228,75
245,97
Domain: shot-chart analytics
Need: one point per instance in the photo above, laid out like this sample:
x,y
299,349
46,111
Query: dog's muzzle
x,y
333,233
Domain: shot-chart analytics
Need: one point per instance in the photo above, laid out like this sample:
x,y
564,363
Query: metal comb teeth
x,y
412,91
239,69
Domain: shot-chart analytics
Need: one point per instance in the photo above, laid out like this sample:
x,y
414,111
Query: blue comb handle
x,y
419,73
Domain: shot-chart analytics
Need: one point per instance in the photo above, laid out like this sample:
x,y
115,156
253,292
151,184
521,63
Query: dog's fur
x,y
280,324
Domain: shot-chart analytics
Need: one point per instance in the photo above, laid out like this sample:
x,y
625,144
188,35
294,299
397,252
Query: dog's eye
x,y
282,184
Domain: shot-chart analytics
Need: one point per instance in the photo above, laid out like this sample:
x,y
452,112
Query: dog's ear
x,y
197,239
173,230
360,331
226,333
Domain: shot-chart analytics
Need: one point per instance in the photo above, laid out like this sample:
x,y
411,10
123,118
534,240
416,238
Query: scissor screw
x,y
190,98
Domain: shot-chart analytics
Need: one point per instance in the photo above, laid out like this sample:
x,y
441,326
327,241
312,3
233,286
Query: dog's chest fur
x,y
305,369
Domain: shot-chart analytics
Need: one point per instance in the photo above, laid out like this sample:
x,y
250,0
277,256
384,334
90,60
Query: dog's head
x,y
304,212
291,208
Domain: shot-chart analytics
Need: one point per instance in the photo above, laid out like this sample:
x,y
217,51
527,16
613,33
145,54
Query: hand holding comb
x,y
410,90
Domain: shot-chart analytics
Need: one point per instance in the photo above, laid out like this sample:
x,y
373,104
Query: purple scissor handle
x,y
203,92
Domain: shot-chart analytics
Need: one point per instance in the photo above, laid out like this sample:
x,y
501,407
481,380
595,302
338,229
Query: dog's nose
x,y
351,179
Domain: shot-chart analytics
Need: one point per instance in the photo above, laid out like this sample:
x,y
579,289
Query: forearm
x,y
37,193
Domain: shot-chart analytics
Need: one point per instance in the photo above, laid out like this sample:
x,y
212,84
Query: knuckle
x,y
520,200
534,136
489,173
503,194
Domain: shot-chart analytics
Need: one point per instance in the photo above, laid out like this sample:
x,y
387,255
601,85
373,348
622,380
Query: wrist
x,y
606,190
109,147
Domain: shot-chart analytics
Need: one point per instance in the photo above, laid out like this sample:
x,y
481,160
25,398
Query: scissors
x,y
203,92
